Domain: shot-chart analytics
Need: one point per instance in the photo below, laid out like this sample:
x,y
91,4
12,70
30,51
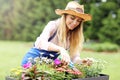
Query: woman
x,y
63,36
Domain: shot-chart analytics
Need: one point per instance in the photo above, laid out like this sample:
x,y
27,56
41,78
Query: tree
x,y
25,19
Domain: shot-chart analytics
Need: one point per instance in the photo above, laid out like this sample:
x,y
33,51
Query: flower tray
x,y
9,78
101,77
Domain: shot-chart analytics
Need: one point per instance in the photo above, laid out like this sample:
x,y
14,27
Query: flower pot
x,y
10,78
101,77
39,78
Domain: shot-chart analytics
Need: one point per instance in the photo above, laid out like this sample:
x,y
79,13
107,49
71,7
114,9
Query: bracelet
x,y
71,65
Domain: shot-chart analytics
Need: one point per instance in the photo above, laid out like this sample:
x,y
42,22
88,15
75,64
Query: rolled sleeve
x,y
42,41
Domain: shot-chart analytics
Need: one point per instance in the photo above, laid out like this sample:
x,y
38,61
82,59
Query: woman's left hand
x,y
64,55
77,60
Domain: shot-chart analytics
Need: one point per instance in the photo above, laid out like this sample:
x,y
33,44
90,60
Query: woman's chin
x,y
70,28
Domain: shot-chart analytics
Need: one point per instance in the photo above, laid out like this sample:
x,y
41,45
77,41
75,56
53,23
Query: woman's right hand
x,y
64,55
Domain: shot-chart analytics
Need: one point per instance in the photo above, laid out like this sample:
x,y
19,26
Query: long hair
x,y
62,32
76,36
76,39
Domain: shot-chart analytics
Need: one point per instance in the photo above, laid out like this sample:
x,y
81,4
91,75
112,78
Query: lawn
x,y
11,54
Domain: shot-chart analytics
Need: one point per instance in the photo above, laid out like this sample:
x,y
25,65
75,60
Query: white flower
x,y
36,59
51,55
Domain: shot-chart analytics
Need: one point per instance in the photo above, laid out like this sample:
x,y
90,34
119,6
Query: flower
x,y
27,65
41,68
16,72
88,61
91,67
57,62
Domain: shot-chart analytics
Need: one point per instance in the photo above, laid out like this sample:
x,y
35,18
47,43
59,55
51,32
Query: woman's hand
x,y
77,60
64,55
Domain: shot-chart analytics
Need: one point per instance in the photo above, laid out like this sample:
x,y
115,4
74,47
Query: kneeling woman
x,y
63,36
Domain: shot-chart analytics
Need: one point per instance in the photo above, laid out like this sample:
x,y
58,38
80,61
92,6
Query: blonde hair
x,y
76,36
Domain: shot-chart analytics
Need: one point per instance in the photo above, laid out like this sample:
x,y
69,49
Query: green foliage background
x,y
25,19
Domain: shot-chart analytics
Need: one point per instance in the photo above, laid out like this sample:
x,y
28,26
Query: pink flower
x,y
23,76
27,65
57,62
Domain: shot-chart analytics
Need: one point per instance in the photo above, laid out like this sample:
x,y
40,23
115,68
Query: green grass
x,y
112,59
100,47
11,54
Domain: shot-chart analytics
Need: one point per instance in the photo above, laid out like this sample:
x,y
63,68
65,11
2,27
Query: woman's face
x,y
72,21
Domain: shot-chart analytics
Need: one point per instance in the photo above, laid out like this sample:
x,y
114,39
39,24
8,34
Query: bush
x,y
101,47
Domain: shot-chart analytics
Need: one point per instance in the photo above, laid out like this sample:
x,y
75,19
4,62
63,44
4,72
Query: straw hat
x,y
74,8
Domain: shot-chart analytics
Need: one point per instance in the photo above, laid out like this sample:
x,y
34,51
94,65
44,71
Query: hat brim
x,y
84,16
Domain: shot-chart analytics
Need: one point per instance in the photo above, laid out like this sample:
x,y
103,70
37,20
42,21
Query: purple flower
x,y
27,65
57,62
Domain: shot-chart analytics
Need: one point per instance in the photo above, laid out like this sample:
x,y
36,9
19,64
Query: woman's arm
x,y
42,41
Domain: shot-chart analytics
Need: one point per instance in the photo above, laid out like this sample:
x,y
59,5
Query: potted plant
x,y
46,69
91,69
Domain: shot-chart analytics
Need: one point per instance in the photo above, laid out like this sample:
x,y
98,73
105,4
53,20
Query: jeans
x,y
34,52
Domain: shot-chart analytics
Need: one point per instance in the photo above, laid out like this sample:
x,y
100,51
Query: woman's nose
x,y
74,22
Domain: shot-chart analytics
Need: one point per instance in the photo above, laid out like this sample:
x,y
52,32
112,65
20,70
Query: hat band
x,y
79,10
